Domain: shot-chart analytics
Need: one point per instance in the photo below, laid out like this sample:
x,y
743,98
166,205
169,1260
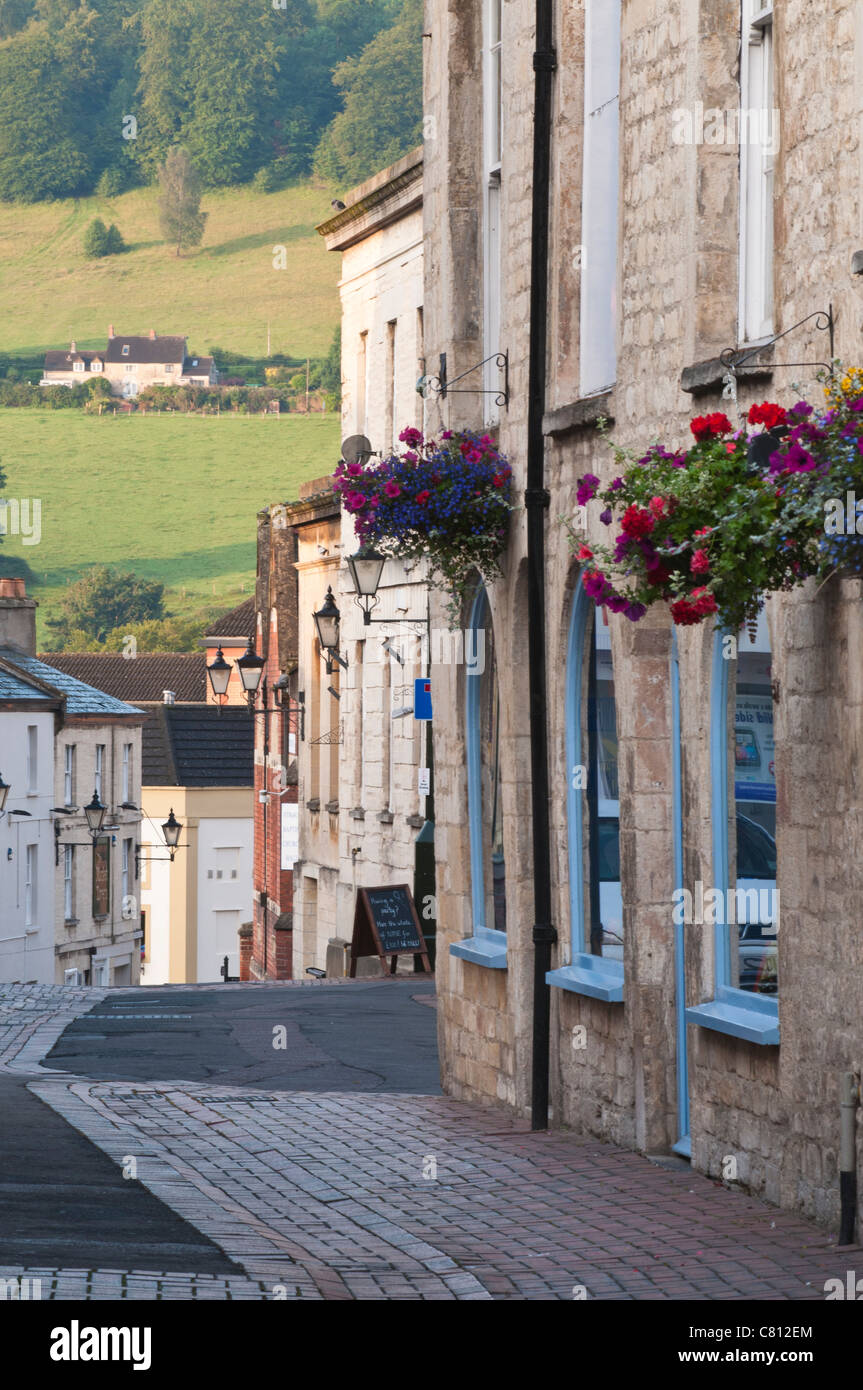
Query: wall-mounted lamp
x,y
327,621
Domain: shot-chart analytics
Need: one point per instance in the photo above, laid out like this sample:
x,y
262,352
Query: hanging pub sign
x,y
386,924
102,877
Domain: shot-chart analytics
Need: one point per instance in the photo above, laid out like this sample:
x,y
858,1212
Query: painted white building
x,y
66,897
28,714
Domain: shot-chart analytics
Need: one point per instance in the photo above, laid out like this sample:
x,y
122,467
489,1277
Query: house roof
x,y
240,622
146,350
15,687
197,746
64,360
142,678
198,366
80,697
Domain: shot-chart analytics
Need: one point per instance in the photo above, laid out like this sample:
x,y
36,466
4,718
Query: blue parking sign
x,y
422,699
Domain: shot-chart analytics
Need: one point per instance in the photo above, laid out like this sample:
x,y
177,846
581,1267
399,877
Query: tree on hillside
x,y
104,599
382,115
13,16
180,215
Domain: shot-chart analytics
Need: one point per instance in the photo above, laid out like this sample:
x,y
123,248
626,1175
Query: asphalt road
x,y
65,1203
363,1036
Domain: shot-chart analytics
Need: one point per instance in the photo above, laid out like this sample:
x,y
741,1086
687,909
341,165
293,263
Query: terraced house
x,y
602,205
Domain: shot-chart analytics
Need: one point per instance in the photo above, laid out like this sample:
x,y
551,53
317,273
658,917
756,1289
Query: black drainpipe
x,y
536,503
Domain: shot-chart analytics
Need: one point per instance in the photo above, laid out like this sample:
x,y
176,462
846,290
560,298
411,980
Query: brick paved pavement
x,y
405,1197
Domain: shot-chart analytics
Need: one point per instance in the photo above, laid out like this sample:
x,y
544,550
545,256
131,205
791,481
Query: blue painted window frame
x,y
487,945
732,1010
587,974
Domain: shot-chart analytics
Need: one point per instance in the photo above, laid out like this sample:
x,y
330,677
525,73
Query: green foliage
x,y
382,115
100,240
170,634
180,215
104,599
245,88
330,375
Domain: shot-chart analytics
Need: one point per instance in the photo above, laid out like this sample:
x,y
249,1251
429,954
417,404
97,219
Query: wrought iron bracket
x,y
331,738
443,387
824,322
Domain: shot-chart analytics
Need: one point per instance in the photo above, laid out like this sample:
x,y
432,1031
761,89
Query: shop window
x,y
592,811
742,904
487,946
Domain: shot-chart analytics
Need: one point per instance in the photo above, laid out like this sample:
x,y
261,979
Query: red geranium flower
x,y
423,497
700,563
584,553
710,426
637,522
768,414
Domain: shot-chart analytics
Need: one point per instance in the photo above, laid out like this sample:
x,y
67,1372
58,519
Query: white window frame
x,y
600,199
31,894
77,366
127,772
492,124
125,871
757,73
68,882
32,775
69,775
99,771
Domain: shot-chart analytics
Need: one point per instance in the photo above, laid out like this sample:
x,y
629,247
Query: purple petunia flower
x,y
606,517
635,612
587,489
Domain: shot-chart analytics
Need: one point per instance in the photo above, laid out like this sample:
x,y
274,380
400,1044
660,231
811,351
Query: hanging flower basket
x,y
740,513
448,502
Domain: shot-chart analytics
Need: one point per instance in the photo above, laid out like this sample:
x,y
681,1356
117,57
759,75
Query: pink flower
x,y
355,469
585,553
392,489
700,562
657,505
410,457
411,437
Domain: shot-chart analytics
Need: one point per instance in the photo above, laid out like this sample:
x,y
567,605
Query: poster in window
x,y
102,877
754,775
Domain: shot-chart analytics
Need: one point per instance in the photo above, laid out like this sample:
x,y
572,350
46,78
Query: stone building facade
x,y
673,238
360,748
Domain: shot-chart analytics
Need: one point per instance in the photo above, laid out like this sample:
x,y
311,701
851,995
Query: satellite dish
x,y
356,448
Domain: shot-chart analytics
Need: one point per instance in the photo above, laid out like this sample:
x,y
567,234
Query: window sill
x,y
591,975
753,1018
489,950
579,415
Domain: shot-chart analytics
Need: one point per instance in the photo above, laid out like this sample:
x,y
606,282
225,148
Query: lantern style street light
x,y
251,668
327,621
95,813
171,829
366,568
219,672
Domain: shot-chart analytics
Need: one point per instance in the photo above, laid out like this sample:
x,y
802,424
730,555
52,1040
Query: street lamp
x,y
366,568
171,830
95,813
219,672
250,667
327,620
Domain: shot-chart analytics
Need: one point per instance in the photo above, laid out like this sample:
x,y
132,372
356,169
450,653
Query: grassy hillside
x,y
223,293
171,497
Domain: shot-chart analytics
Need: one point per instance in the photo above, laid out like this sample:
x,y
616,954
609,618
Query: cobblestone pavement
x,y
381,1196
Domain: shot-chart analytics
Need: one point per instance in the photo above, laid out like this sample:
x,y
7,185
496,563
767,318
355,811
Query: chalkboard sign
x,y
386,924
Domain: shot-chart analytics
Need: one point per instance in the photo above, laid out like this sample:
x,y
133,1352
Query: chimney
x,y
152,334
110,330
17,617
73,346
169,697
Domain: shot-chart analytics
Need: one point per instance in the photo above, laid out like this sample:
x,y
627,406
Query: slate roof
x,y
196,746
80,698
13,687
240,622
146,350
142,678
64,359
197,366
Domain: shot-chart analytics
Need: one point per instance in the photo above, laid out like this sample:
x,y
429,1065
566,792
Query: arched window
x,y
593,810
487,946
